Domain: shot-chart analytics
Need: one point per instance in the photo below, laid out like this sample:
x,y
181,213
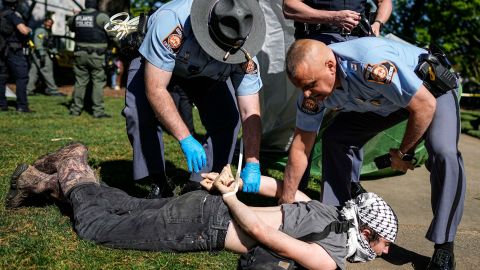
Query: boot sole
x,y
14,193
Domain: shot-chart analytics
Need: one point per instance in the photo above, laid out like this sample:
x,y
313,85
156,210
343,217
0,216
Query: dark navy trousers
x,y
343,154
218,112
16,63
195,221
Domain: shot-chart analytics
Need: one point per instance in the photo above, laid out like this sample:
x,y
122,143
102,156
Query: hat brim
x,y
199,20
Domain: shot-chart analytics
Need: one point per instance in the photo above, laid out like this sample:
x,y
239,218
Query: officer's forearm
x,y
297,163
249,107
300,12
156,82
422,109
384,10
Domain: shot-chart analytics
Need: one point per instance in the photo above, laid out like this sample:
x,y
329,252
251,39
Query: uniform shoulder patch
x,y
174,40
310,106
250,67
380,73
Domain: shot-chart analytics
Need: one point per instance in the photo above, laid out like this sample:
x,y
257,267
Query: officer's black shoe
x,y
442,259
191,186
24,110
4,109
356,189
156,192
103,116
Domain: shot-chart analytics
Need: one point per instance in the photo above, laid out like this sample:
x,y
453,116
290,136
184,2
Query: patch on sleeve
x,y
174,40
380,73
250,67
310,106
40,36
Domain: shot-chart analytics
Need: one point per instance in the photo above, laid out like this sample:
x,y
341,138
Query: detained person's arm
x,y
156,81
265,231
269,187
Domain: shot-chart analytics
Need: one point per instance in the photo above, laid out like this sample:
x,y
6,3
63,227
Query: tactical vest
x,y
87,30
330,5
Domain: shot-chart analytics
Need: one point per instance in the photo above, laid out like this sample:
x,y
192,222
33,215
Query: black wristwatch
x,y
405,156
381,24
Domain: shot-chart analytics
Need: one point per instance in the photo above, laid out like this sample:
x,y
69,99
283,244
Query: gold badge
x,y
174,40
380,73
250,67
310,106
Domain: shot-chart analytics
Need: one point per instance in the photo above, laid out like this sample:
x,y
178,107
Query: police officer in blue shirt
x,y
14,55
207,48
331,21
373,83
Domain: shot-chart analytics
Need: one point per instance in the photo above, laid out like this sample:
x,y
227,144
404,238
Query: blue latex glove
x,y
251,177
194,153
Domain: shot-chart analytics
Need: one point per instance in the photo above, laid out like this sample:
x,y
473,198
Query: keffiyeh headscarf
x,y
371,210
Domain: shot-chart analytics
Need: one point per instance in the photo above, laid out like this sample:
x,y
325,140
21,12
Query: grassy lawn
x,y
41,237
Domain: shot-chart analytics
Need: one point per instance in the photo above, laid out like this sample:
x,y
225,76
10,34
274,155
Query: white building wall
x,y
61,9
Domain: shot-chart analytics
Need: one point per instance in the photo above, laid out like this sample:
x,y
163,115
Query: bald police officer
x,y
42,65
333,21
206,47
373,83
91,43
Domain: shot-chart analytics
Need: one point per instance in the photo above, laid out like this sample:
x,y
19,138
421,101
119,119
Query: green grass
x,y
42,237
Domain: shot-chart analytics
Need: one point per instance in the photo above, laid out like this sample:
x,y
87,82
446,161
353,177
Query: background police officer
x,y
213,63
13,55
91,42
333,21
42,65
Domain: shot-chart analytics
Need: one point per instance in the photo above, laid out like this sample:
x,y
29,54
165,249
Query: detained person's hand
x,y
225,183
251,177
194,153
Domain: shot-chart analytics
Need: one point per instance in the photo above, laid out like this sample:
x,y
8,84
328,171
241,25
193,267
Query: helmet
x,y
9,2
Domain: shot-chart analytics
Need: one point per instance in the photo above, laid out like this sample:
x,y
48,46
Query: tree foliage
x,y
452,24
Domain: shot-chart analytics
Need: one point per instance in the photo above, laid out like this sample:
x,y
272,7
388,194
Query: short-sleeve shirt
x,y
376,74
303,218
170,45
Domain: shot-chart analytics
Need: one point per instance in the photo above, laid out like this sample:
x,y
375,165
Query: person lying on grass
x,y
200,221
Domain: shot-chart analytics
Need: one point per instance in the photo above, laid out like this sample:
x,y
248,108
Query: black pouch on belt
x,y
434,69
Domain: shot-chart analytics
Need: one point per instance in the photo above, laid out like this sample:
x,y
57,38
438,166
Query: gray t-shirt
x,y
303,218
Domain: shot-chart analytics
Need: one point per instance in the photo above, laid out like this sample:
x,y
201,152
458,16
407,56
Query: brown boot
x,y
49,163
74,171
26,181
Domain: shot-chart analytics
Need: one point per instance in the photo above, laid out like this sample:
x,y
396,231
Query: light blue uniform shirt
x,y
170,45
377,75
